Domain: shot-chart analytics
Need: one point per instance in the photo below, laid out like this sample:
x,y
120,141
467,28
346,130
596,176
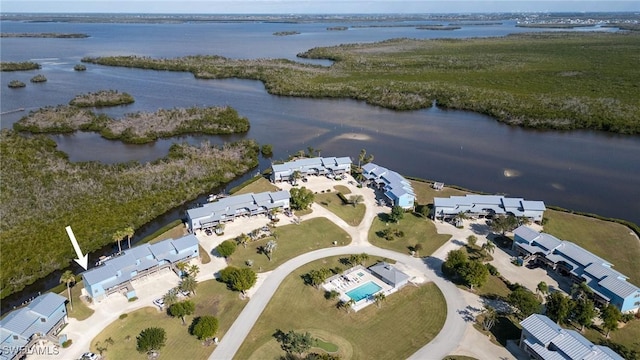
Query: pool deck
x,y
351,279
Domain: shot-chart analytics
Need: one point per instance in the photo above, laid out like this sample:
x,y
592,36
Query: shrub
x,y
16,84
226,248
492,269
151,339
133,299
267,150
67,343
204,327
38,79
123,316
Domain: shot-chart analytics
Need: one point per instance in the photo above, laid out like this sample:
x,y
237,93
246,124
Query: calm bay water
x,y
581,170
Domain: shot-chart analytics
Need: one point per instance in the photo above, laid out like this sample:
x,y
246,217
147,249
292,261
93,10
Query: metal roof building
x,y
544,339
389,274
43,317
226,209
396,188
581,265
310,166
488,205
117,272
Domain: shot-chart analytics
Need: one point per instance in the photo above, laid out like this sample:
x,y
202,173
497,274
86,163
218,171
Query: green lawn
x,y
293,240
352,215
176,231
254,186
80,310
417,230
611,241
405,322
629,335
212,299
425,193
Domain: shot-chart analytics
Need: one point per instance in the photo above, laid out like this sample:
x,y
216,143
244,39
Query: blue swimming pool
x,y
364,291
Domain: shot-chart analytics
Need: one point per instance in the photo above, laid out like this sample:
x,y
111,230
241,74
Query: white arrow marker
x,y
81,260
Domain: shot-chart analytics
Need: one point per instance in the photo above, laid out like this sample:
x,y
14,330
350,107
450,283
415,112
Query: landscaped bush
x,y
132,299
123,316
67,343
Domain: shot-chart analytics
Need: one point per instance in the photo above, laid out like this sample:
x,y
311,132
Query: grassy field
x,y
293,240
80,310
425,193
254,186
629,335
417,230
213,299
410,319
352,215
609,240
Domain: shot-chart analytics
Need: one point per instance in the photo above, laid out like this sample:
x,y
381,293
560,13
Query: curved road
x,y
442,345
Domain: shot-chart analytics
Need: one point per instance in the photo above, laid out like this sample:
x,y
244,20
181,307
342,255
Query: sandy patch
x,y
353,136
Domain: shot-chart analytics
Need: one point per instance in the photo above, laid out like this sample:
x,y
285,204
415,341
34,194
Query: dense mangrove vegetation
x,y
102,98
540,80
18,66
14,84
135,128
41,192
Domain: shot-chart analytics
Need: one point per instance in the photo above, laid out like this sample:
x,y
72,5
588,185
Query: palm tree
x,y
170,298
189,284
295,176
489,247
356,199
349,305
117,237
459,218
194,270
68,278
182,266
128,232
379,298
270,247
243,239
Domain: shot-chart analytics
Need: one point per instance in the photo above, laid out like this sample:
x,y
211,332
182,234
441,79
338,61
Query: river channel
x,y
581,170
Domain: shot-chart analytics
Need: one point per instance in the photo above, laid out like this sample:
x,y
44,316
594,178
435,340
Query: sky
x,y
313,6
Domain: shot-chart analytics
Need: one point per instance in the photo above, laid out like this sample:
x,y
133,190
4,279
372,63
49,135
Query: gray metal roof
x,y
596,271
550,341
26,321
526,233
389,272
118,270
396,185
496,203
306,164
232,205
619,286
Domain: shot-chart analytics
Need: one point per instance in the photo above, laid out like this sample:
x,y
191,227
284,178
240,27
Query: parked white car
x,y
159,303
89,356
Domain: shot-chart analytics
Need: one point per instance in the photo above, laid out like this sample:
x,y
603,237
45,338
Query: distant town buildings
x,y
310,166
396,188
542,338
228,208
488,205
117,273
38,322
567,258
